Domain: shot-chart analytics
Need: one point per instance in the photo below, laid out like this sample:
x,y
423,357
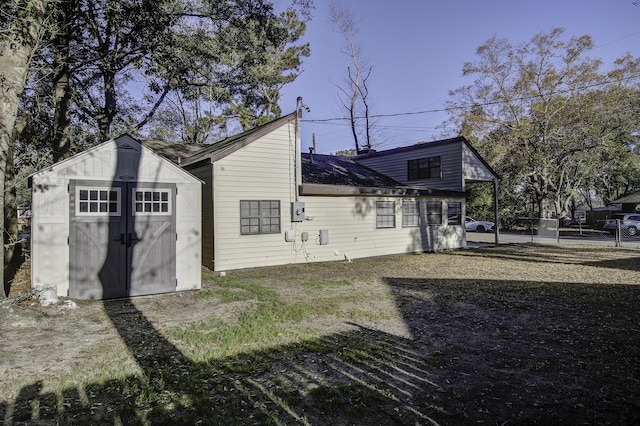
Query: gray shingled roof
x,y
193,153
173,151
318,171
334,170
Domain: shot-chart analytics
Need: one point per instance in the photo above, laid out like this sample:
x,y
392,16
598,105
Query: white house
x,y
265,203
125,218
114,221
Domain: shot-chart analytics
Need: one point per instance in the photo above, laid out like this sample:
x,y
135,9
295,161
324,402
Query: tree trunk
x,y
105,118
352,108
17,46
13,250
61,143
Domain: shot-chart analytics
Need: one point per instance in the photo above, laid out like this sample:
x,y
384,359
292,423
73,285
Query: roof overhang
x,y
223,148
628,199
315,189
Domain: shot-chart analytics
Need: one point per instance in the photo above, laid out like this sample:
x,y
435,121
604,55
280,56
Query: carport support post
x,y
496,228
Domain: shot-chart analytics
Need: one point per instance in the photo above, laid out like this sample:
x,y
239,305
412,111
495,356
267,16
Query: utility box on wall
x,y
324,237
297,211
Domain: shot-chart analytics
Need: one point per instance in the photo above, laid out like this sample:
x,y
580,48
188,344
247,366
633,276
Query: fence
x,y
546,231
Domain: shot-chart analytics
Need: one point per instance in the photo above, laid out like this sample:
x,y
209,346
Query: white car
x,y
629,224
474,225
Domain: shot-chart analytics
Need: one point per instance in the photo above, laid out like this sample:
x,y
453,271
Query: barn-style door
x,y
122,239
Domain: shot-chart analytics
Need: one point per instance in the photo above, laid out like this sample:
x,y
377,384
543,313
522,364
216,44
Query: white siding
x,y
107,162
474,168
189,235
49,232
264,170
351,225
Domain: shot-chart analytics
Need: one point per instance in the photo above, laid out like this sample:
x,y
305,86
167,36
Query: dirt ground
x,y
509,335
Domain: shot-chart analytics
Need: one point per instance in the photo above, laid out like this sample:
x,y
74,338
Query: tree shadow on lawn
x,y
626,264
562,255
490,351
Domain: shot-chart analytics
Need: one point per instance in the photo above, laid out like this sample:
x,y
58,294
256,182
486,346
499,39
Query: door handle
x,y
131,239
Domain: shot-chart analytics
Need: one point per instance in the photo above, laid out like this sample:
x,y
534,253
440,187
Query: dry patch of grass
x,y
511,334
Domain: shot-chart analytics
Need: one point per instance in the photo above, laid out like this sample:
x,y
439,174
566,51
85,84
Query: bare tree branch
x,y
355,99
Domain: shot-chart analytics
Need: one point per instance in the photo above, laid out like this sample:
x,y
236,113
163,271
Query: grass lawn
x,y
515,334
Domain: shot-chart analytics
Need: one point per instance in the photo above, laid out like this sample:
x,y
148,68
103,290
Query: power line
x,y
617,40
463,107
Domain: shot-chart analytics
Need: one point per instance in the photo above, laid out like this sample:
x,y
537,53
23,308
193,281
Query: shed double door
x,y
122,239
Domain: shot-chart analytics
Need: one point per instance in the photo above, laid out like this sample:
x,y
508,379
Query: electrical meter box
x,y
324,237
297,211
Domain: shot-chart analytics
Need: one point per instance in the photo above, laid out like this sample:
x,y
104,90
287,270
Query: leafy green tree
x,y
273,61
112,40
543,115
240,71
618,172
100,67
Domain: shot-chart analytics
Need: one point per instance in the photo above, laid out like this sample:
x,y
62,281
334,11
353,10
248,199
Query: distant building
x,y
629,203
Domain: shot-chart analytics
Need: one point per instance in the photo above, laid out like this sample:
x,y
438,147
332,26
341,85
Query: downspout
x,y
297,159
297,173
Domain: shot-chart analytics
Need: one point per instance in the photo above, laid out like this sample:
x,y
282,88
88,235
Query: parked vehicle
x,y
629,223
474,225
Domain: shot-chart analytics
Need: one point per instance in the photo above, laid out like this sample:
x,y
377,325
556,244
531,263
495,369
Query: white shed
x,y
114,221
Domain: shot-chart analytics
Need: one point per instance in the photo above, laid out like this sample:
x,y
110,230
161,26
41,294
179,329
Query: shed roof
x,y
122,143
186,154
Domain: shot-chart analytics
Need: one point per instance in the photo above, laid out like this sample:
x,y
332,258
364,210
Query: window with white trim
x,y
410,214
454,213
385,214
434,213
98,201
259,217
151,201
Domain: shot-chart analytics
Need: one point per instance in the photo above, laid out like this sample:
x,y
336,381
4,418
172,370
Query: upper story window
x,y
259,217
424,168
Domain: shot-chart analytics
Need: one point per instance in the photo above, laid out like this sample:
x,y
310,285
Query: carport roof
x,y
631,198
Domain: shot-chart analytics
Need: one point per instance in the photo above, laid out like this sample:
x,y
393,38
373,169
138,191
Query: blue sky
x,y
417,49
